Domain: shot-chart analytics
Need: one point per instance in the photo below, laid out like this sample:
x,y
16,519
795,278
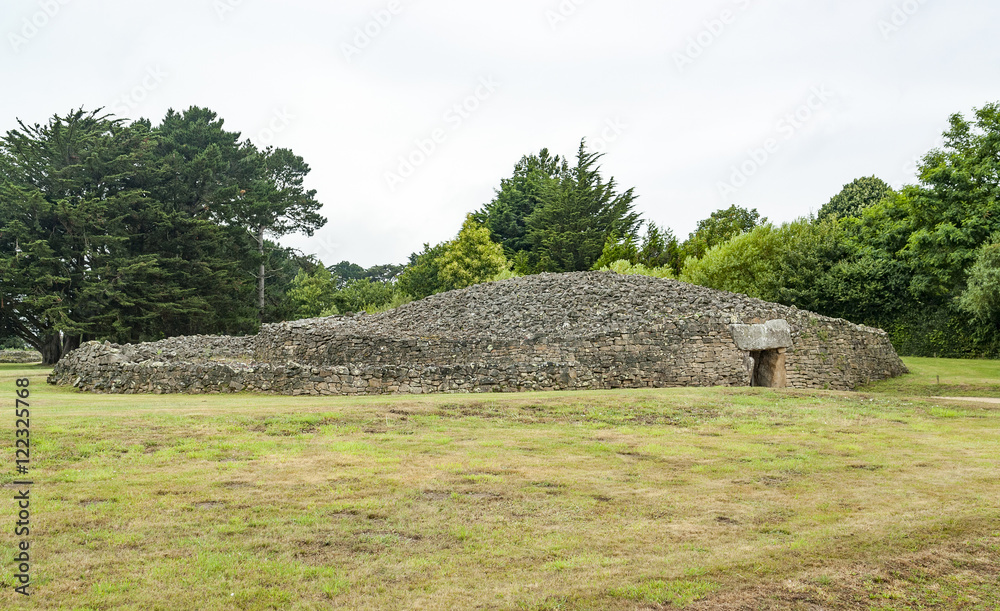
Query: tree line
x,y
131,232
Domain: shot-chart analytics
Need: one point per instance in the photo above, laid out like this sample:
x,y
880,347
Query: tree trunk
x,y
261,273
51,349
70,343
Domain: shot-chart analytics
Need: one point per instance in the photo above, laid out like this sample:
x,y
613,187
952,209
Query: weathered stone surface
x,y
769,336
551,331
770,371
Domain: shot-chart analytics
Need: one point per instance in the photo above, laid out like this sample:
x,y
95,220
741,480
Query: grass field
x,y
697,498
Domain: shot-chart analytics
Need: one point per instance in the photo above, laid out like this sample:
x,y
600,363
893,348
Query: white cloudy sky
x,y
890,73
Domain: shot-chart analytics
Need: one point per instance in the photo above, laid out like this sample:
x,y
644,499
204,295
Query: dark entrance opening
x,y
769,368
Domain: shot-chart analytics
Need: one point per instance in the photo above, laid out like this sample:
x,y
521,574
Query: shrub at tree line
x,y
130,232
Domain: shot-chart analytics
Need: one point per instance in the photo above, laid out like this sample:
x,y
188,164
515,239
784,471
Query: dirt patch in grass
x,y
954,575
637,413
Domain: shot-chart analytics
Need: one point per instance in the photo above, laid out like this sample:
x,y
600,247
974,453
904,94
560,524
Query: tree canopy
x,y
556,217
855,198
471,258
130,232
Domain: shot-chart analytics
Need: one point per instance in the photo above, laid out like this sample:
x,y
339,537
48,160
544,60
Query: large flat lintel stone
x,y
771,335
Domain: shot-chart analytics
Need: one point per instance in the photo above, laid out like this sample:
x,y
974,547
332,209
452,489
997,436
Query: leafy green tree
x,y
471,258
855,197
748,263
955,208
658,249
421,278
364,295
313,293
283,265
982,297
568,230
615,250
318,293
347,271
622,266
385,274
719,228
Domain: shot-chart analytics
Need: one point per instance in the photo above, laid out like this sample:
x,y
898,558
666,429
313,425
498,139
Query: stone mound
x,y
543,332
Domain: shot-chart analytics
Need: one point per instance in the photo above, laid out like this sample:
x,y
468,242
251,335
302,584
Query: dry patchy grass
x,y
706,498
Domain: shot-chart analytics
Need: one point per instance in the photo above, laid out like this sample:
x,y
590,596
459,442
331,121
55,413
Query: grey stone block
x,y
771,335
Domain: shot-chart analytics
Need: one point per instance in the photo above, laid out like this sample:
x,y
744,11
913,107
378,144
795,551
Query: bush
x,y
748,264
623,266
12,343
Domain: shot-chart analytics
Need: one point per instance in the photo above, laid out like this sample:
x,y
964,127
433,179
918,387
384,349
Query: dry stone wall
x,y
591,330
20,356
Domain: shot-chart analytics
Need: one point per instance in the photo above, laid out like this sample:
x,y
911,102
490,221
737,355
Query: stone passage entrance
x,y
766,345
769,368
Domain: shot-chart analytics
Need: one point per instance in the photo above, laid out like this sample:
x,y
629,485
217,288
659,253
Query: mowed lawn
x,y
697,498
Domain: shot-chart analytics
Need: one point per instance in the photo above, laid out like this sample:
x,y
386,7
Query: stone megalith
x,y
767,345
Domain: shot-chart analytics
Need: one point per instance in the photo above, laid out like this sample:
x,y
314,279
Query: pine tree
x,y
518,197
198,168
75,218
568,231
274,202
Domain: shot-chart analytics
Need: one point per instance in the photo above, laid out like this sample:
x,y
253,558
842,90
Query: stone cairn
x,y
587,330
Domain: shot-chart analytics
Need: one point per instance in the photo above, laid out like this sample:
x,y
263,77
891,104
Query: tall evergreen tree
x,y
121,231
73,208
518,197
199,166
577,214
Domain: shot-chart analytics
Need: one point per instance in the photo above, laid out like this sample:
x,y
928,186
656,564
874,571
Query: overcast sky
x,y
773,105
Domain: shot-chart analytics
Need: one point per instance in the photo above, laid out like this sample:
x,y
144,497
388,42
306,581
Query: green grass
x,y
944,378
697,498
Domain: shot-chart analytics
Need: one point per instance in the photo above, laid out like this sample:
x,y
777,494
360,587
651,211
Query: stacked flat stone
x,y
584,330
20,356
